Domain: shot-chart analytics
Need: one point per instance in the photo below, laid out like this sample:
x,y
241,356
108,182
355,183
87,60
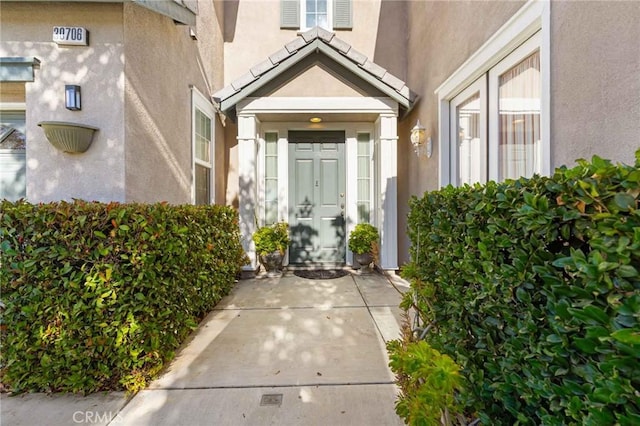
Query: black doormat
x,y
320,274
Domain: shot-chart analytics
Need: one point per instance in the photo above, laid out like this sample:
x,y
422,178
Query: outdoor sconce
x,y
72,98
421,144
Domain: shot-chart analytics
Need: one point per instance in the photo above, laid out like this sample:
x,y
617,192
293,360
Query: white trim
x,y
525,23
534,16
203,104
13,106
346,105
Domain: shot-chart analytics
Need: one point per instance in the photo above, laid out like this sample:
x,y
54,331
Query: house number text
x,y
70,35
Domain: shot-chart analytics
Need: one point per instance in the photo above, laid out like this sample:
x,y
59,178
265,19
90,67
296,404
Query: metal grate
x,y
271,399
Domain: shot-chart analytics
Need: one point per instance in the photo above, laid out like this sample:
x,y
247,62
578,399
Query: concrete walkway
x,y
276,351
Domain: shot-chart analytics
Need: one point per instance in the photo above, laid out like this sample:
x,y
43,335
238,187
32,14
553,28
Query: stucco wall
x,y
27,29
252,32
595,80
442,35
162,63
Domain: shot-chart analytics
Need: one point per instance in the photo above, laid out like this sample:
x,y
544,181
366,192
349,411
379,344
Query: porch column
x,y
247,134
387,129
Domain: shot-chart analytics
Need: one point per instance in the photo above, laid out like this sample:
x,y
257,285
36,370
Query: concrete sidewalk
x,y
276,351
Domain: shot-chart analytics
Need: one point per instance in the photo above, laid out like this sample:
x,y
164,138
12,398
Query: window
x,y
306,14
515,91
12,154
202,135
315,13
468,129
494,110
363,201
271,178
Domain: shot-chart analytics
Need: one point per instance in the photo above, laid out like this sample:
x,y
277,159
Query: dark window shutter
x,y
290,14
342,15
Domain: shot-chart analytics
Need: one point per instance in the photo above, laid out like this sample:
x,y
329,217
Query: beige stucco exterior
x,y
595,80
136,76
97,174
163,63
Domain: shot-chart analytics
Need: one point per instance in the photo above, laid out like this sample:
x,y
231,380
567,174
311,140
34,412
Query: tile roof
x,y
315,40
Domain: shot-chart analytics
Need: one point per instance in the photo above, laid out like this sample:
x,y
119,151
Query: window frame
x,y
512,59
479,86
303,16
533,18
200,103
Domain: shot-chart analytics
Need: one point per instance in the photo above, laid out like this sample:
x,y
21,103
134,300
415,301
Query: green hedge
x,y
98,296
533,288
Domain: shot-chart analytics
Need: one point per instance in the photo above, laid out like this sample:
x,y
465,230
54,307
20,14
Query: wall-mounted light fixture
x,y
72,98
421,144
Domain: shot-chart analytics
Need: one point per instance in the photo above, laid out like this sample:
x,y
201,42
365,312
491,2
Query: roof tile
x,y
261,68
244,80
296,44
374,69
279,56
393,81
304,39
223,93
356,56
310,35
325,35
341,45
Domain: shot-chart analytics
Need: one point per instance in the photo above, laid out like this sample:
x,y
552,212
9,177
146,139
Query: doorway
x,y
317,201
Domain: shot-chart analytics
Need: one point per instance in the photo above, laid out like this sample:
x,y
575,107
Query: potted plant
x,y
272,242
361,242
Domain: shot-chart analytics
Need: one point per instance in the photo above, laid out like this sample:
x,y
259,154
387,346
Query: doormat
x,y
321,274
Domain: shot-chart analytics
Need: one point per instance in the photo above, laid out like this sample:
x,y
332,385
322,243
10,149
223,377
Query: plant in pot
x,y
362,241
272,242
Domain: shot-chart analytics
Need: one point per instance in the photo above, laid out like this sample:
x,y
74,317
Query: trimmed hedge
x,y
533,288
98,296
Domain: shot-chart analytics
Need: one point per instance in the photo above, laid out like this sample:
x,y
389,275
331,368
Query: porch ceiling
x,y
318,43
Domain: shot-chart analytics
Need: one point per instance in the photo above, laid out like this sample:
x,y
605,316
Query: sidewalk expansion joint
x,y
299,385
286,308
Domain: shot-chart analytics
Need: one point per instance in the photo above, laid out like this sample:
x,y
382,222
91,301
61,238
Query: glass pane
x,y
271,213
311,20
363,189
470,160
271,190
364,212
363,144
519,119
363,167
271,166
271,178
323,21
322,6
311,6
12,130
203,184
203,136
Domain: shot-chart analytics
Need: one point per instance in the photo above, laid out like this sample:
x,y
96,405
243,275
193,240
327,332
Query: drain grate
x,y
271,399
